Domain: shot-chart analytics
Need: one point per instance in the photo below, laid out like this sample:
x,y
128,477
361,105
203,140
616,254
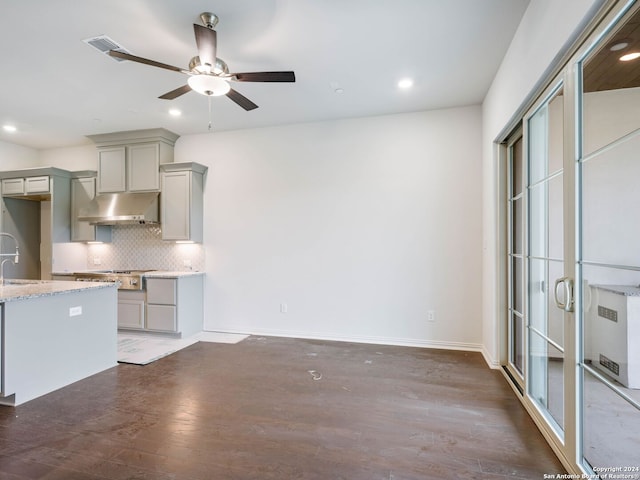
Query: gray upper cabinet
x,y
143,168
40,184
113,168
130,161
83,190
181,201
35,208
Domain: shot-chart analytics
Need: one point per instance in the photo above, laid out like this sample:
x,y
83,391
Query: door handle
x,y
567,285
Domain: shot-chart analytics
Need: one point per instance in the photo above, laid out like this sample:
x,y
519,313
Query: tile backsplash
x,y
141,247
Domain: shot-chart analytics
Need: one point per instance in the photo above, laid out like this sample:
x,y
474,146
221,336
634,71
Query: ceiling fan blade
x,y
146,61
206,41
176,93
241,100
265,77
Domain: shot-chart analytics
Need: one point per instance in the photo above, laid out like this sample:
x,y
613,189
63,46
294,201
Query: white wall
x,y
360,226
545,27
14,156
82,157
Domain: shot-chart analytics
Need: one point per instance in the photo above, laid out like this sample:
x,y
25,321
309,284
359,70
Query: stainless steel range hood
x,y
121,209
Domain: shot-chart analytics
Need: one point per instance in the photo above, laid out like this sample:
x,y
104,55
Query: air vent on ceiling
x,y
104,44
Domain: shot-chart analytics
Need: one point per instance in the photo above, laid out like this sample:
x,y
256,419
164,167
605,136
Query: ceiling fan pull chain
x,y
209,113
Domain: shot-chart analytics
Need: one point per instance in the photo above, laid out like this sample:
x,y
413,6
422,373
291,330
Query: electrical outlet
x,y
431,316
283,308
97,261
187,262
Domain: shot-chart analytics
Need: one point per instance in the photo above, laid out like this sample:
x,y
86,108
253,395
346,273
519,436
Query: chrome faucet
x,y
13,257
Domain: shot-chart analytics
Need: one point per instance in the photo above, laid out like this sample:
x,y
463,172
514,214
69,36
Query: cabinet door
x,y
37,185
112,170
13,186
175,206
143,167
161,317
130,313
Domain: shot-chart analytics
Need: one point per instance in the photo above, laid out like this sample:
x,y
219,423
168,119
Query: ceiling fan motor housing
x,y
209,20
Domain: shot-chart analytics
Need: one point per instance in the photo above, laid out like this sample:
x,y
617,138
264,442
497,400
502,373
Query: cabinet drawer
x,y
37,185
13,186
161,291
161,317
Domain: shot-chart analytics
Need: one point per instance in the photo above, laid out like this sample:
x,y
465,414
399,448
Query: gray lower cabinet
x,y
131,309
175,304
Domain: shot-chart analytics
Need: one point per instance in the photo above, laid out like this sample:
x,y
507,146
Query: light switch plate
x,y
75,311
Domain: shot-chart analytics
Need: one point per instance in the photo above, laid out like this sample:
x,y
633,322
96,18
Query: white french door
x,y
580,259
607,269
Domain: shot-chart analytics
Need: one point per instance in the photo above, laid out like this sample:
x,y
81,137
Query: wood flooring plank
x,y
274,408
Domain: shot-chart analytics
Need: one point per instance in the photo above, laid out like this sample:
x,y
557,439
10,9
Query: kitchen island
x,y
54,333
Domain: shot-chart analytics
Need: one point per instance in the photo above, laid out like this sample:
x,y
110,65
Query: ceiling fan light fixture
x,y
209,85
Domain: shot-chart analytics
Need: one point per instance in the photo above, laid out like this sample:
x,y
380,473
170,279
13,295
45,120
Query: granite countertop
x,y
169,274
26,289
149,274
626,290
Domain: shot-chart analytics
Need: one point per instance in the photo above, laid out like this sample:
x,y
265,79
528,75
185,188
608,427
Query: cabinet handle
x,y
567,285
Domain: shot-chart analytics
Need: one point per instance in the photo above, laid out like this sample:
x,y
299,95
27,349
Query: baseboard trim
x,y
401,342
491,363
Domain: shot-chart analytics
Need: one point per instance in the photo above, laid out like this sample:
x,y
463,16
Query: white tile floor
x,y
143,348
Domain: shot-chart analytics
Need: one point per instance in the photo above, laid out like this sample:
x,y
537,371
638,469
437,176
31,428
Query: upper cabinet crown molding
x,y
130,137
36,172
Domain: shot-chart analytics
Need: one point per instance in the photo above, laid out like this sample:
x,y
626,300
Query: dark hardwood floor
x,y
273,408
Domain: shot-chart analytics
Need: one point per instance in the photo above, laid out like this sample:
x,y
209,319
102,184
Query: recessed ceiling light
x,y
9,128
175,112
405,83
630,56
618,46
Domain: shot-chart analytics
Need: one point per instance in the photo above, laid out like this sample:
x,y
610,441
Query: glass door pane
x,y
609,253
545,326
516,257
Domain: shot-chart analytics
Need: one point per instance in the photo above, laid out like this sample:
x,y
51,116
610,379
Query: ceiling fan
x,y
208,74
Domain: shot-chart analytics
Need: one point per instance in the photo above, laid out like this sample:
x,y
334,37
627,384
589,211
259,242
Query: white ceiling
x,y
56,89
